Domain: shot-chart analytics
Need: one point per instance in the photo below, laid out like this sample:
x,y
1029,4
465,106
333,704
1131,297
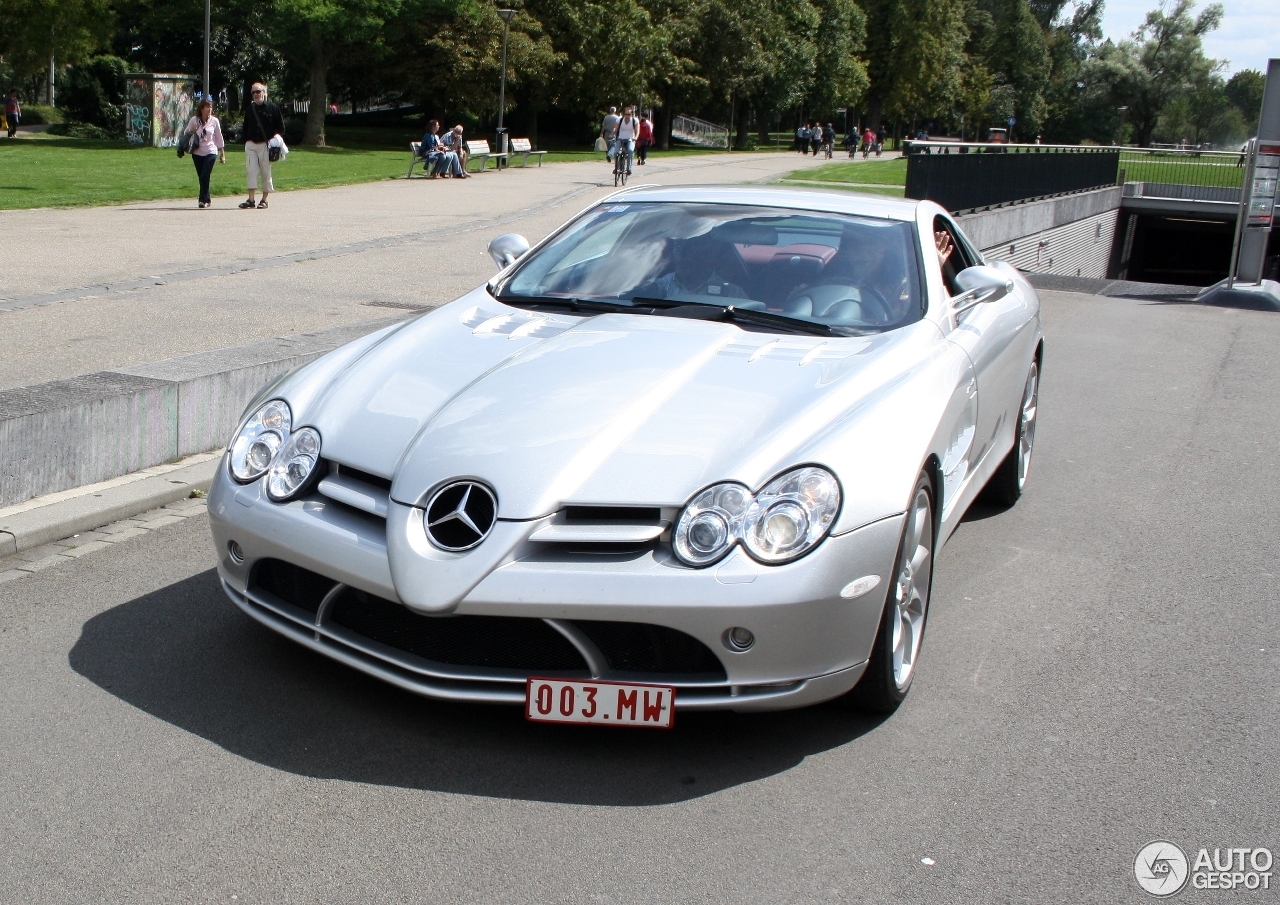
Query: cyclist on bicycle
x,y
625,134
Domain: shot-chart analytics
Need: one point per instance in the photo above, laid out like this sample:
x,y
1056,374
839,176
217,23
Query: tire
x,y
892,666
1005,486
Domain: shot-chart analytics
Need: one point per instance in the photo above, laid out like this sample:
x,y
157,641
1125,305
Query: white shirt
x,y
628,128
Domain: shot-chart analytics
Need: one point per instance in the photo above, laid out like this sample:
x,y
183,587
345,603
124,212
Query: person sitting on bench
x,y
453,142
440,161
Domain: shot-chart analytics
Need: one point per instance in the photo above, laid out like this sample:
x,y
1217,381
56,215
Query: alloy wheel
x,y
911,589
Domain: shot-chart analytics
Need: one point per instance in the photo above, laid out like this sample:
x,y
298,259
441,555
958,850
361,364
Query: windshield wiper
x,y
733,314
591,306
677,308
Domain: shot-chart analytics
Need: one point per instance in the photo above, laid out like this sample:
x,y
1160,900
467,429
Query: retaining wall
x,y
67,433
1068,236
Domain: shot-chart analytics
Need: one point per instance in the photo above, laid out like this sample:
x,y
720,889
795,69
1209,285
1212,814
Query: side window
x,y
958,259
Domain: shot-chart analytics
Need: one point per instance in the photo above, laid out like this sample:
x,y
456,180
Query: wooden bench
x,y
521,147
479,150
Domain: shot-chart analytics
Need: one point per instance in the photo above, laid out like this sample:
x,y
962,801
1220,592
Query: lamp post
x,y
1123,111
506,16
208,92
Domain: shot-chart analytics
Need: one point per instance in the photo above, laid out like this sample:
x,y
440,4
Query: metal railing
x,y
699,132
1181,173
967,175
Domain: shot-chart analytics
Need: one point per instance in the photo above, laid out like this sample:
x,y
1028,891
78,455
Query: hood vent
x,y
604,528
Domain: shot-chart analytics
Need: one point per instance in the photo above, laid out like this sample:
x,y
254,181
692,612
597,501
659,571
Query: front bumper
x,y
811,644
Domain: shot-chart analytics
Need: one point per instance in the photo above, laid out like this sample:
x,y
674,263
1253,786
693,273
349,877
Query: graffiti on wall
x,y
137,112
173,103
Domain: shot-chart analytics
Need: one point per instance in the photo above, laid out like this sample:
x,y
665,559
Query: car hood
x,y
617,409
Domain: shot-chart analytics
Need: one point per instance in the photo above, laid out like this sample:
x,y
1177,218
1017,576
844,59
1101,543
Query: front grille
x,y
636,647
292,584
502,642
605,514
524,644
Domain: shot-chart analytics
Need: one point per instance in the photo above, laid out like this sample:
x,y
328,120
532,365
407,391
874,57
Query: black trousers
x,y
204,166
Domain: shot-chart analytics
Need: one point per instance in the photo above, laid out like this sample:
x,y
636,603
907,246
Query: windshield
x,y
831,269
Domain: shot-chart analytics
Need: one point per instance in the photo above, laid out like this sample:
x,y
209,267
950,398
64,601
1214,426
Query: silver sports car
x,y
700,443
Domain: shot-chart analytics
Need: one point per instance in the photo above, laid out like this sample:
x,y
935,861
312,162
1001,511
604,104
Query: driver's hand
x,y
942,240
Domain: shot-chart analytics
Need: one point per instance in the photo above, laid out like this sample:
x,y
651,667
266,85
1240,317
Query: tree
x,y
1166,58
1018,59
36,33
915,57
1244,92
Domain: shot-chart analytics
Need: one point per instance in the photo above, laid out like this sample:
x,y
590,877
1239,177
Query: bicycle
x,y
621,163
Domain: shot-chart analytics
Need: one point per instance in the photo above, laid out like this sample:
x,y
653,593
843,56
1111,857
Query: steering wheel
x,y
876,298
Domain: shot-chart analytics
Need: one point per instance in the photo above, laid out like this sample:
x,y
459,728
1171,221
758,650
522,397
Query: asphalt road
x,y
1100,671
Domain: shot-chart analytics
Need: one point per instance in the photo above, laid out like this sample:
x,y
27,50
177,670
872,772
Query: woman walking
x,y
645,140
12,112
212,146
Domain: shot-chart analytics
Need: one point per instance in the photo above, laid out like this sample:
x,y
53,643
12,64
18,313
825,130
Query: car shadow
x,y
186,655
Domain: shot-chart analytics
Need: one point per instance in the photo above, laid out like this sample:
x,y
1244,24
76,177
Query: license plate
x,y
600,703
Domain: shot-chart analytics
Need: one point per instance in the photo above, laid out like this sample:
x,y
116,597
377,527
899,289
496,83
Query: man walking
x,y
263,122
607,128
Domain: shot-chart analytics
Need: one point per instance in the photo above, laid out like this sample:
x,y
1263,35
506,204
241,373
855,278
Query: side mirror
x,y
980,284
506,249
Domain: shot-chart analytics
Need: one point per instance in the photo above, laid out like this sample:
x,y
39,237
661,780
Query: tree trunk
x,y
664,124
874,108
743,115
762,132
319,104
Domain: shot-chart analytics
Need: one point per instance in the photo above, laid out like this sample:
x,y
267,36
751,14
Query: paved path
x,y
97,288
1101,671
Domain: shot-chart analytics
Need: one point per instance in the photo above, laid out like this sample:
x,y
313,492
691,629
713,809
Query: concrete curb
x,y
41,523
82,430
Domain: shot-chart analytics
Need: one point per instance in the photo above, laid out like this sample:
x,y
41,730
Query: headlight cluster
x,y
267,444
783,521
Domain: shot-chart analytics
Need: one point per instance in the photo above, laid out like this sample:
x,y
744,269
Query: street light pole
x,y
208,92
506,15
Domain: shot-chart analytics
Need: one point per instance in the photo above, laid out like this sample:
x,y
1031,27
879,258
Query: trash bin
x,y
158,106
500,145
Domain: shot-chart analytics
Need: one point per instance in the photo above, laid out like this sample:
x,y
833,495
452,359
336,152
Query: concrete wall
x,y
67,433
1070,236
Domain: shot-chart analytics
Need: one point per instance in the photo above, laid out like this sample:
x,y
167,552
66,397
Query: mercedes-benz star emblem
x,y
461,515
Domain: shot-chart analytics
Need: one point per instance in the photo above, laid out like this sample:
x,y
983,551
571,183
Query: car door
x,y
991,334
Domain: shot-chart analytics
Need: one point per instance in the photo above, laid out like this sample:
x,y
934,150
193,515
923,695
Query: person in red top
x,y
644,139
12,112
868,142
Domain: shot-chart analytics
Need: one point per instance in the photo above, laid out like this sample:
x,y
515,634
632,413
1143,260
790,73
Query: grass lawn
x,y
40,171
880,177
1182,169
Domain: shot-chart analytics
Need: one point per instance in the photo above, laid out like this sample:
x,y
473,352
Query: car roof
x,y
837,202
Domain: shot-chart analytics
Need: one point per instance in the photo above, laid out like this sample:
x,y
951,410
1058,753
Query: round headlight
x,y
294,466
791,514
709,525
257,442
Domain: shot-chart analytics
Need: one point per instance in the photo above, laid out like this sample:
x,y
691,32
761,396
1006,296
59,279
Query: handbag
x,y
601,145
189,143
